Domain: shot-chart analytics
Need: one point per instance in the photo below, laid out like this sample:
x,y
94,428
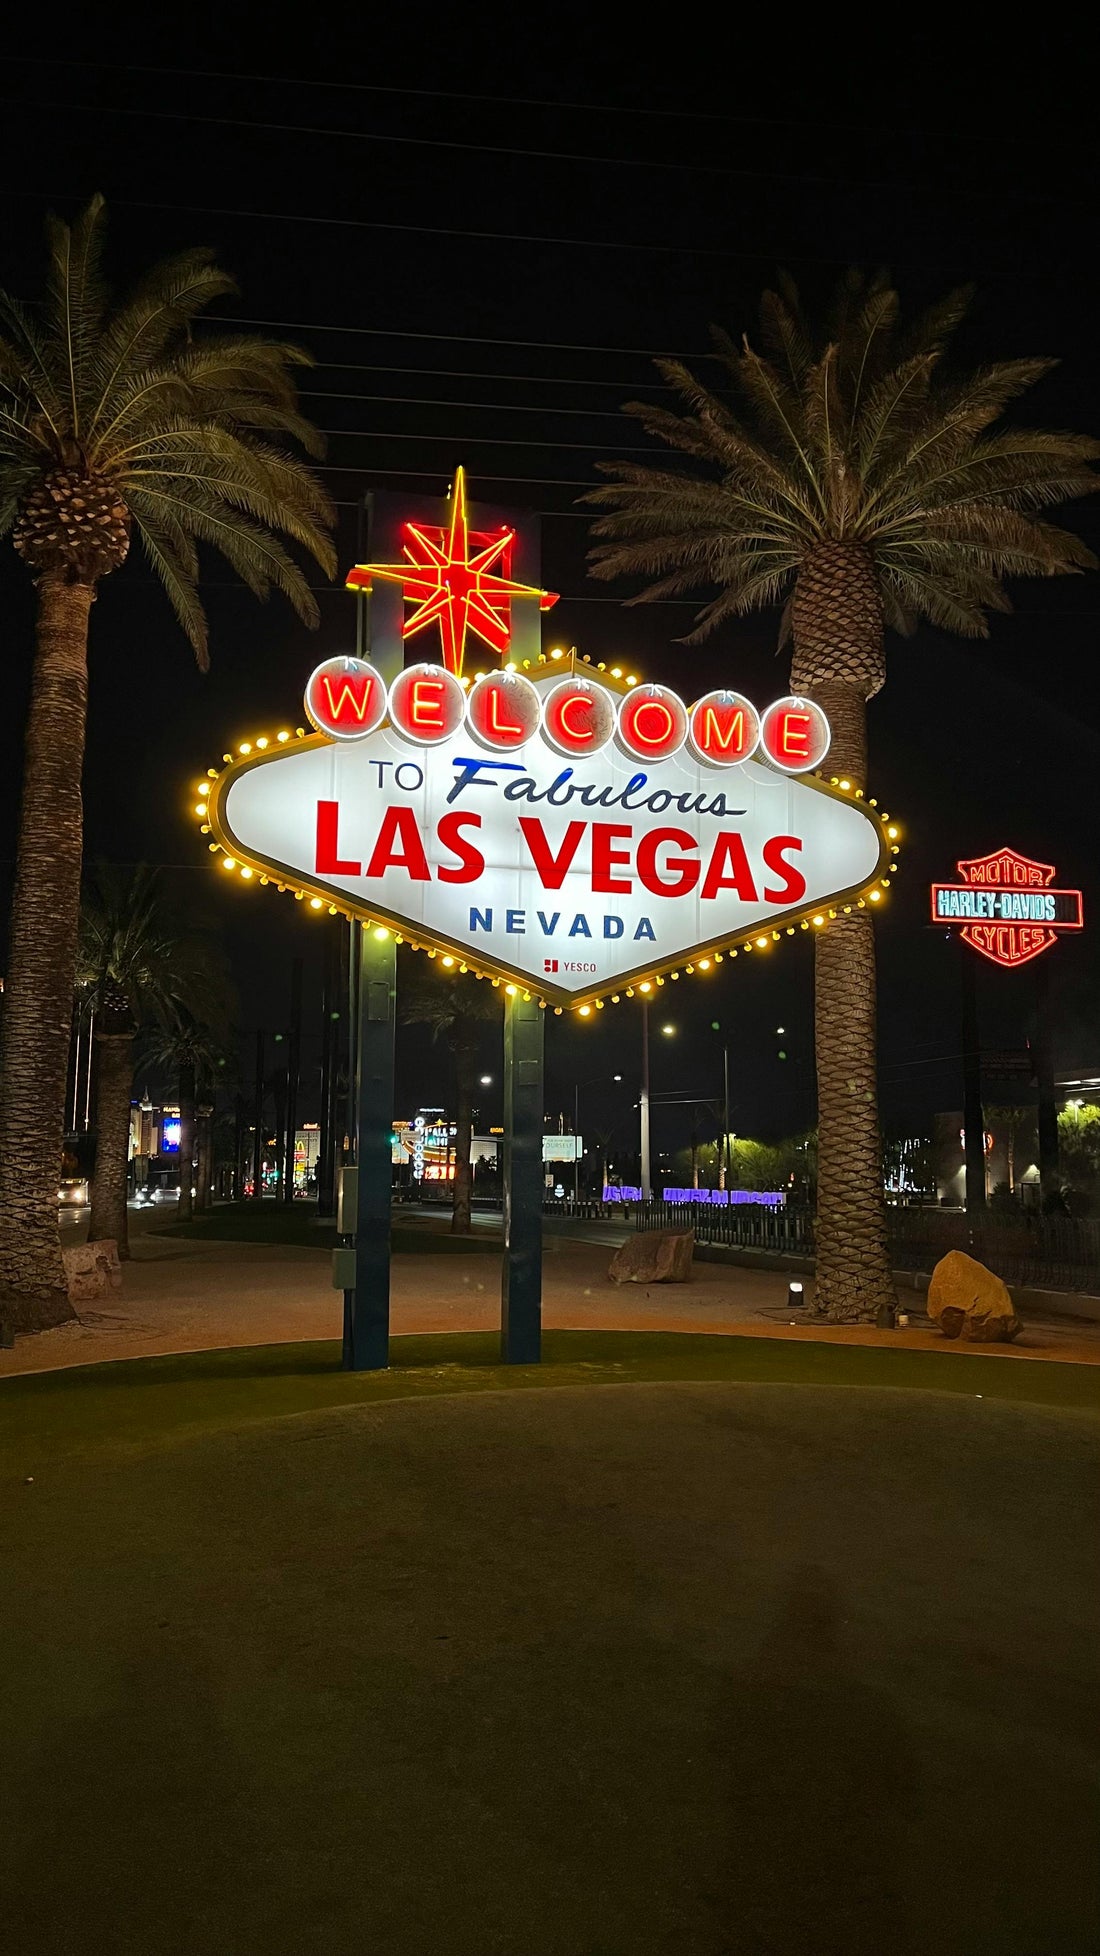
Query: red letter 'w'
x,y
357,701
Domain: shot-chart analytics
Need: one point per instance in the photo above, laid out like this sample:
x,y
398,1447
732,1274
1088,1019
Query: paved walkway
x,y
178,1296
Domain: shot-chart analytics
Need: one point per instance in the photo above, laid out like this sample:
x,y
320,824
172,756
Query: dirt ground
x,y
181,1296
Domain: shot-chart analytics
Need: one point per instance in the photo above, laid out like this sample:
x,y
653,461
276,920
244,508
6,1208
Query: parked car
x,y
74,1194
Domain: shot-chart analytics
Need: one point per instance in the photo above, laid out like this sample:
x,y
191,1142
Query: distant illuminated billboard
x,y
169,1137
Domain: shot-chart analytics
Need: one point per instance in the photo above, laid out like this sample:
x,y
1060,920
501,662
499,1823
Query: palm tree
x,y
856,481
136,965
455,1009
116,418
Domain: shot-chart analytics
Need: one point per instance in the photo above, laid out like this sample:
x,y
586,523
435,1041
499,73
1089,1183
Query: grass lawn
x,y
681,1645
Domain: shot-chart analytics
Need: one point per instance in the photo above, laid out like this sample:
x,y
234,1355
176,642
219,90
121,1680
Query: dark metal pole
x,y
1044,1075
725,1115
367,1307
293,1061
973,1115
576,1157
258,1130
521,1282
643,1108
330,1048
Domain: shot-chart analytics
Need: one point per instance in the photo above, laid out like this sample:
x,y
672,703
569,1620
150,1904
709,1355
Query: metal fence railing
x,y
747,1226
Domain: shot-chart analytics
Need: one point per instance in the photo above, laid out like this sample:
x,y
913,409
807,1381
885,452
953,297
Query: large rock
x,y
653,1257
92,1269
967,1301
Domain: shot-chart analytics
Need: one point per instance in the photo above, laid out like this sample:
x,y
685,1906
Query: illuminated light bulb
x,y
229,863
891,831
746,947
205,829
213,774
601,667
718,957
381,933
893,869
860,905
704,964
246,873
301,732
449,962
298,895
527,998
227,757
263,741
834,780
818,921
832,913
464,967
511,666
859,794
733,954
675,974
847,910
875,895
282,737
689,967
885,817
200,808
790,930
614,998
630,991
557,653
886,882
315,903
202,790
557,1011
431,954
761,943
632,681
213,847
245,747
846,785
616,672
647,987
599,1005
893,848
804,925
585,1010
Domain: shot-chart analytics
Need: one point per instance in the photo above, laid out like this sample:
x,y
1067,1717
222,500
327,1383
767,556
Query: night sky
x,y
482,243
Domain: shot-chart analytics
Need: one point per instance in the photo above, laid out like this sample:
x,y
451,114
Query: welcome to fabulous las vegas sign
x,y
557,828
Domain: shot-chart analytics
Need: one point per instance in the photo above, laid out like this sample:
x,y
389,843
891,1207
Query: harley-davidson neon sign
x,y
1005,908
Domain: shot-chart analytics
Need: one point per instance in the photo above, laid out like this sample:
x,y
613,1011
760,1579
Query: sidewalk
x,y
182,1296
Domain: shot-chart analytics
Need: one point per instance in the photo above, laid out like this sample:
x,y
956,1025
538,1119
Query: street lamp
x,y
486,1079
577,1085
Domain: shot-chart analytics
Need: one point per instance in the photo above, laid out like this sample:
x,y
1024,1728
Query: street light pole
x,y
725,1115
576,1130
643,1106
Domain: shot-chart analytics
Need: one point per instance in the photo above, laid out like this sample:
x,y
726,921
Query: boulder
x,y
92,1269
967,1301
653,1257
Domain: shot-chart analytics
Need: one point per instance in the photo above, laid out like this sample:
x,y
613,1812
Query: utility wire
x,y
457,339
431,400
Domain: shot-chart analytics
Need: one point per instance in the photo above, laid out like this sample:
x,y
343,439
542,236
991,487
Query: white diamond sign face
x,y
572,876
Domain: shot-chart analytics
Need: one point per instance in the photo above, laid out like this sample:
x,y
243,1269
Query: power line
x,y
457,339
99,109
464,373
495,441
431,400
427,230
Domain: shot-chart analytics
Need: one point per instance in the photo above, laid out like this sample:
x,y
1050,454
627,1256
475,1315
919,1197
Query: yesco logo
x,y
347,699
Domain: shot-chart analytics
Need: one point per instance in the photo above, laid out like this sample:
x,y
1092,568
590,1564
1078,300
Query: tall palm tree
x,y
138,966
117,418
847,474
456,1009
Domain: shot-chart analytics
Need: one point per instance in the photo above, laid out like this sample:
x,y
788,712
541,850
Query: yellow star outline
x,y
452,588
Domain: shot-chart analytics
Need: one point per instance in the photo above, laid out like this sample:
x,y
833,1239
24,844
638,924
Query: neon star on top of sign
x,y
449,587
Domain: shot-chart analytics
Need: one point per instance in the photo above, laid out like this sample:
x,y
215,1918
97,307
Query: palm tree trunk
x,y
465,1061
38,999
838,662
187,1139
114,1080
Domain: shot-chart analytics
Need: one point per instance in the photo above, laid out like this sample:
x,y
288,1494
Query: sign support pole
x,y
643,1108
973,1115
521,1280
1048,1106
367,1307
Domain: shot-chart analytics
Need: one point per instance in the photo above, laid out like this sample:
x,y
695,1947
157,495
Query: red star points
x,y
449,587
